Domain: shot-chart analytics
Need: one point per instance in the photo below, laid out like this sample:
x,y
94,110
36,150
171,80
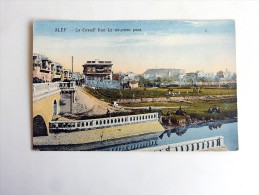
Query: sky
x,y
207,45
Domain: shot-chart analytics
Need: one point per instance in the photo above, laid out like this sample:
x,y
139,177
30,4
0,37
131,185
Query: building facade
x,y
98,70
163,73
99,74
56,71
66,75
41,68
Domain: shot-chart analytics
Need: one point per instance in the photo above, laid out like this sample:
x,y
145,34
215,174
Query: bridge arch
x,y
39,126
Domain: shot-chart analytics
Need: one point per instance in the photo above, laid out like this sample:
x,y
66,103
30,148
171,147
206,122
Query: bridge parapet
x,y
194,145
59,126
67,85
44,89
133,146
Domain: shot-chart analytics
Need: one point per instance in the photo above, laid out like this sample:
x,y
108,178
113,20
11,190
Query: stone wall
x,y
45,108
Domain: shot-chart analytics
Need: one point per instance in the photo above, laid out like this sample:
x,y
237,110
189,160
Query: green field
x,y
195,108
114,94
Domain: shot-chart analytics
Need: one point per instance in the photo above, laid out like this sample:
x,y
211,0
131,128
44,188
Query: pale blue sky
x,y
190,45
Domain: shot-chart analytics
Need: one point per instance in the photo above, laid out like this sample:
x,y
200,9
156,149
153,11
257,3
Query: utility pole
x,y
72,66
72,92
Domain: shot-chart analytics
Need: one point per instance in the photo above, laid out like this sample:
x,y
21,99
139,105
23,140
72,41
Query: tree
x,y
220,74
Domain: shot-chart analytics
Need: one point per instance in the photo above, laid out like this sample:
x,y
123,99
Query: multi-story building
x,y
41,68
98,70
66,75
56,71
99,74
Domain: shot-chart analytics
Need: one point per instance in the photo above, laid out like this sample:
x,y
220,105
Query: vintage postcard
x,y
165,85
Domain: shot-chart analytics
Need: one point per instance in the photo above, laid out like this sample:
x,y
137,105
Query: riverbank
x,y
200,123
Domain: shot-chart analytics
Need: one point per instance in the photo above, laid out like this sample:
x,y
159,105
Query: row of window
x,y
93,69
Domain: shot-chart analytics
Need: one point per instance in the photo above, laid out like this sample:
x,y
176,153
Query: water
x,y
227,129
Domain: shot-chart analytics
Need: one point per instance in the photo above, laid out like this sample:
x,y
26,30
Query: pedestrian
x,y
101,136
108,112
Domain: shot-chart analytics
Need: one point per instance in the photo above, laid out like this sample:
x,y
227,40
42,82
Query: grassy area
x,y
114,94
196,108
199,108
158,104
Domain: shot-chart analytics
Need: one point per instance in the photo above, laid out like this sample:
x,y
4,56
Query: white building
x,y
228,75
201,74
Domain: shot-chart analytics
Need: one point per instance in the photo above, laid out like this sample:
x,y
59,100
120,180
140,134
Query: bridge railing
x,y
44,88
133,146
194,145
56,126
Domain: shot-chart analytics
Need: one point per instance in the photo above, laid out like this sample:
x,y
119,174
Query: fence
x,y
194,145
56,126
45,88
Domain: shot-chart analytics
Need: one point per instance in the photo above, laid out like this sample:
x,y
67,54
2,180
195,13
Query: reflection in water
x,y
152,142
215,126
182,130
225,128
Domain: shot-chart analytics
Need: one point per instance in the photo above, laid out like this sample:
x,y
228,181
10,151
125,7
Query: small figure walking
x,y
108,113
101,136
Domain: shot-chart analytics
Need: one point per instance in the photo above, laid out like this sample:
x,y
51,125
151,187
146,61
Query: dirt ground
x,y
84,105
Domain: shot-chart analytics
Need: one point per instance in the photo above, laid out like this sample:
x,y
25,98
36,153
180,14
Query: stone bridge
x,y
46,104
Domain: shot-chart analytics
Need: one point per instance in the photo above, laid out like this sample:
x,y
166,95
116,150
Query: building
x,y
133,84
41,68
98,70
78,76
228,75
66,75
56,71
116,77
99,74
127,77
202,74
163,73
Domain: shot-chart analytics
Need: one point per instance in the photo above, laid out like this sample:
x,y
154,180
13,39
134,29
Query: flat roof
x,y
97,64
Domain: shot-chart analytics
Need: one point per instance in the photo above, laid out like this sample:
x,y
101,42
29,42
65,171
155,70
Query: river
x,y
225,128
